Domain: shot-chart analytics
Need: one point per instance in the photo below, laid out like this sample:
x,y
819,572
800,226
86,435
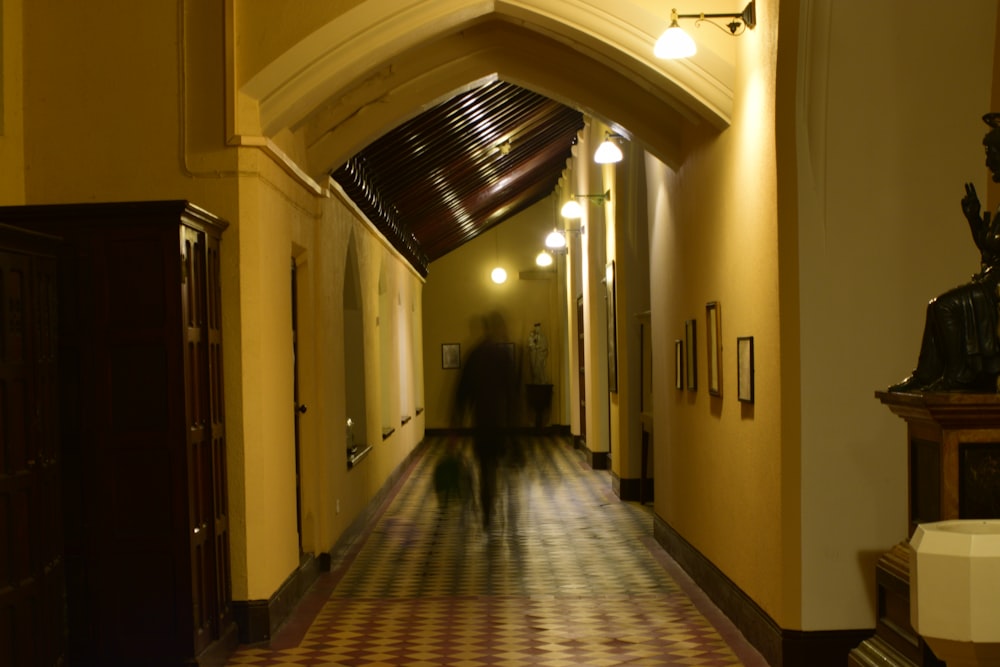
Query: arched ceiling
x,y
352,96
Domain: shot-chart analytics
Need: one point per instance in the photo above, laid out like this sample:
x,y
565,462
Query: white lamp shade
x,y
555,239
674,43
572,210
499,275
543,259
608,153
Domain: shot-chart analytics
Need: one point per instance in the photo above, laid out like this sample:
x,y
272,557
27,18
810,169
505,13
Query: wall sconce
x,y
675,43
608,152
556,240
574,211
544,258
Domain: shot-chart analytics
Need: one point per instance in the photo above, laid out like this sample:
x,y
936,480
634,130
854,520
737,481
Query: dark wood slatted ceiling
x,y
460,168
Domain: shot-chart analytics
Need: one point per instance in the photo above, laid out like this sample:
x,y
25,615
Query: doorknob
x,y
302,409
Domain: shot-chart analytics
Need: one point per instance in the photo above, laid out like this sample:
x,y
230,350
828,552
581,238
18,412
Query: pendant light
x,y
499,274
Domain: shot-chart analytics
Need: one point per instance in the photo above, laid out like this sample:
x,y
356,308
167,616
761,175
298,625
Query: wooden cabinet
x,y
141,430
32,589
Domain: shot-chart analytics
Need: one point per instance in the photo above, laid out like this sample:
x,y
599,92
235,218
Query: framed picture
x,y
714,321
679,363
609,282
744,368
691,368
451,355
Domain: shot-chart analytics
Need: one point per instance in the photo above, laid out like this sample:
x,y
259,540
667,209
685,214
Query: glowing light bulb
x,y
572,210
555,239
608,153
674,43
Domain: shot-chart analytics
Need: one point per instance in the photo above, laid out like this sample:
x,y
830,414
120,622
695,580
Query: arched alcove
x,y
406,354
386,318
355,392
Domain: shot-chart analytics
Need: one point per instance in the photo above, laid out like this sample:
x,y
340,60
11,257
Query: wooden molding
x,y
779,646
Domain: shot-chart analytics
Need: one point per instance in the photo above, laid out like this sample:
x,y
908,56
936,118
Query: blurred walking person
x,y
487,394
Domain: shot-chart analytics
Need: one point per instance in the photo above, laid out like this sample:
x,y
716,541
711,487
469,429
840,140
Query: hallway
x,y
568,575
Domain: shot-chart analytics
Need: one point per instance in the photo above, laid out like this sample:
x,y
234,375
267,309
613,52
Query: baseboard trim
x,y
631,489
780,647
258,620
347,541
598,460
553,430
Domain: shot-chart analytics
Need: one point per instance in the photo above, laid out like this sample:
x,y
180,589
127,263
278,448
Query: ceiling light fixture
x,y
499,274
574,211
608,152
675,43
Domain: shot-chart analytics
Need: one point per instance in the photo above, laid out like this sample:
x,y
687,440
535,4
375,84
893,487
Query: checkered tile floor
x,y
567,575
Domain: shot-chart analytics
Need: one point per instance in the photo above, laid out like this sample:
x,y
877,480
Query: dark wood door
x,y
32,586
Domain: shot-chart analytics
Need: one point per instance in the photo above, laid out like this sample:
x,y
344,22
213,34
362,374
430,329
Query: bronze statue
x,y
960,350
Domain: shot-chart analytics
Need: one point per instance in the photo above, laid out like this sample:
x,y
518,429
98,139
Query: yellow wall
x,y
811,195
459,291
879,232
101,84
11,104
627,244
127,102
275,228
713,237
681,140
589,262
795,497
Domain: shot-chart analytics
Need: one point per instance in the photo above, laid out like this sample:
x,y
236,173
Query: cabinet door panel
x,y
199,444
32,592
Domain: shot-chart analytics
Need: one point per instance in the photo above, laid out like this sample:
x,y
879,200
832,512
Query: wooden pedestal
x,y
953,445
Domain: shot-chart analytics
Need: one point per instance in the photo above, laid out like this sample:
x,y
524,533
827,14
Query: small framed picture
x,y
714,334
451,355
744,368
691,368
679,363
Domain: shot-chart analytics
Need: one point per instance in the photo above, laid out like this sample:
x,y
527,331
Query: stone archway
x,y
365,71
